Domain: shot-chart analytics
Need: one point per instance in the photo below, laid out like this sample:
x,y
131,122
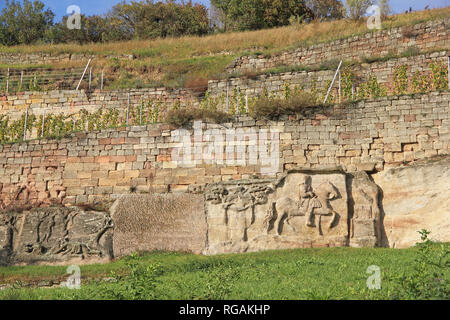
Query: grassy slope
x,y
181,61
338,273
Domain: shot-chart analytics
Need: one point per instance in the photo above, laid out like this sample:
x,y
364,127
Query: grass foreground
x,y
303,274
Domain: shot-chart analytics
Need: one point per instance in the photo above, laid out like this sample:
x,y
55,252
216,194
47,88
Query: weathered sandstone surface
x,y
415,197
55,235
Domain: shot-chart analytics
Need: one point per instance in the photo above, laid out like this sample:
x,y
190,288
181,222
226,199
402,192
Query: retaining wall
x,y
384,71
424,36
369,136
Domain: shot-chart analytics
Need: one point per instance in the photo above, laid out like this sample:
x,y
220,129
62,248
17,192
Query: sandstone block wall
x,y
368,136
72,101
433,34
384,72
48,58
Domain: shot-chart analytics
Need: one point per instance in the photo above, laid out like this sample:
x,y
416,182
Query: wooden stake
x,y
228,96
128,108
101,85
7,82
339,87
43,124
84,72
21,79
90,78
25,125
246,102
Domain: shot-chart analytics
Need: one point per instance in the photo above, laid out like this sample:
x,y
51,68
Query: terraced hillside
x,y
192,61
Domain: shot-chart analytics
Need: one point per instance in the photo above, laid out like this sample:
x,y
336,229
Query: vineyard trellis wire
x,y
14,80
235,101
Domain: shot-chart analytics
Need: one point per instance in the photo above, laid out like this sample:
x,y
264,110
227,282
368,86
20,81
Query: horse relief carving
x,y
303,208
312,203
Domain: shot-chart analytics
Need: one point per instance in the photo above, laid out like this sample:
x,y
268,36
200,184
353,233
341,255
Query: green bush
x,y
430,276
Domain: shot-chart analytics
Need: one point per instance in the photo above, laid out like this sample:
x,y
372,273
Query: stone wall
x,y
72,101
18,58
432,34
384,71
368,136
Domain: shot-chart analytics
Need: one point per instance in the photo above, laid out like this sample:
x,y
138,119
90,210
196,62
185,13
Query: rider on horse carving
x,y
308,200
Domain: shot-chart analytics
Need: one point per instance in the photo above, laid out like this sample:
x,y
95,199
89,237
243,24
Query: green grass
x,y
328,273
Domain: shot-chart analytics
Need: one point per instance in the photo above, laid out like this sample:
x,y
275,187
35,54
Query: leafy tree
x,y
24,24
326,9
278,12
222,10
385,8
93,29
149,19
257,14
357,8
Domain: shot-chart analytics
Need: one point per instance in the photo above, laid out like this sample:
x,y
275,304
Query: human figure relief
x,y
308,200
310,204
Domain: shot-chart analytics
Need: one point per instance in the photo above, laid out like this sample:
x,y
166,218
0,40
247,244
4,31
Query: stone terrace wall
x,y
48,58
433,34
275,82
71,101
89,166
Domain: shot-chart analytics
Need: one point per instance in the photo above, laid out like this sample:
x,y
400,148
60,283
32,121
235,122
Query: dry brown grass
x,y
183,116
272,107
277,38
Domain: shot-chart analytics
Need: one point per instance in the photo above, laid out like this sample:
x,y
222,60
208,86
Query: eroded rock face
x,y
55,234
414,198
168,222
302,209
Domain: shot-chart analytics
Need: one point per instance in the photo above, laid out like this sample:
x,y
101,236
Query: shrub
x,y
199,85
439,76
400,80
140,283
429,279
268,106
179,117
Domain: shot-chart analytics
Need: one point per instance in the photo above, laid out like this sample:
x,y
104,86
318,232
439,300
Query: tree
x,y
326,9
242,15
222,11
278,12
356,9
164,19
24,24
385,8
93,29
149,19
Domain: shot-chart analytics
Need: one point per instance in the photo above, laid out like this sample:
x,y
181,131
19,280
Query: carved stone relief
x,y
301,209
365,222
55,234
